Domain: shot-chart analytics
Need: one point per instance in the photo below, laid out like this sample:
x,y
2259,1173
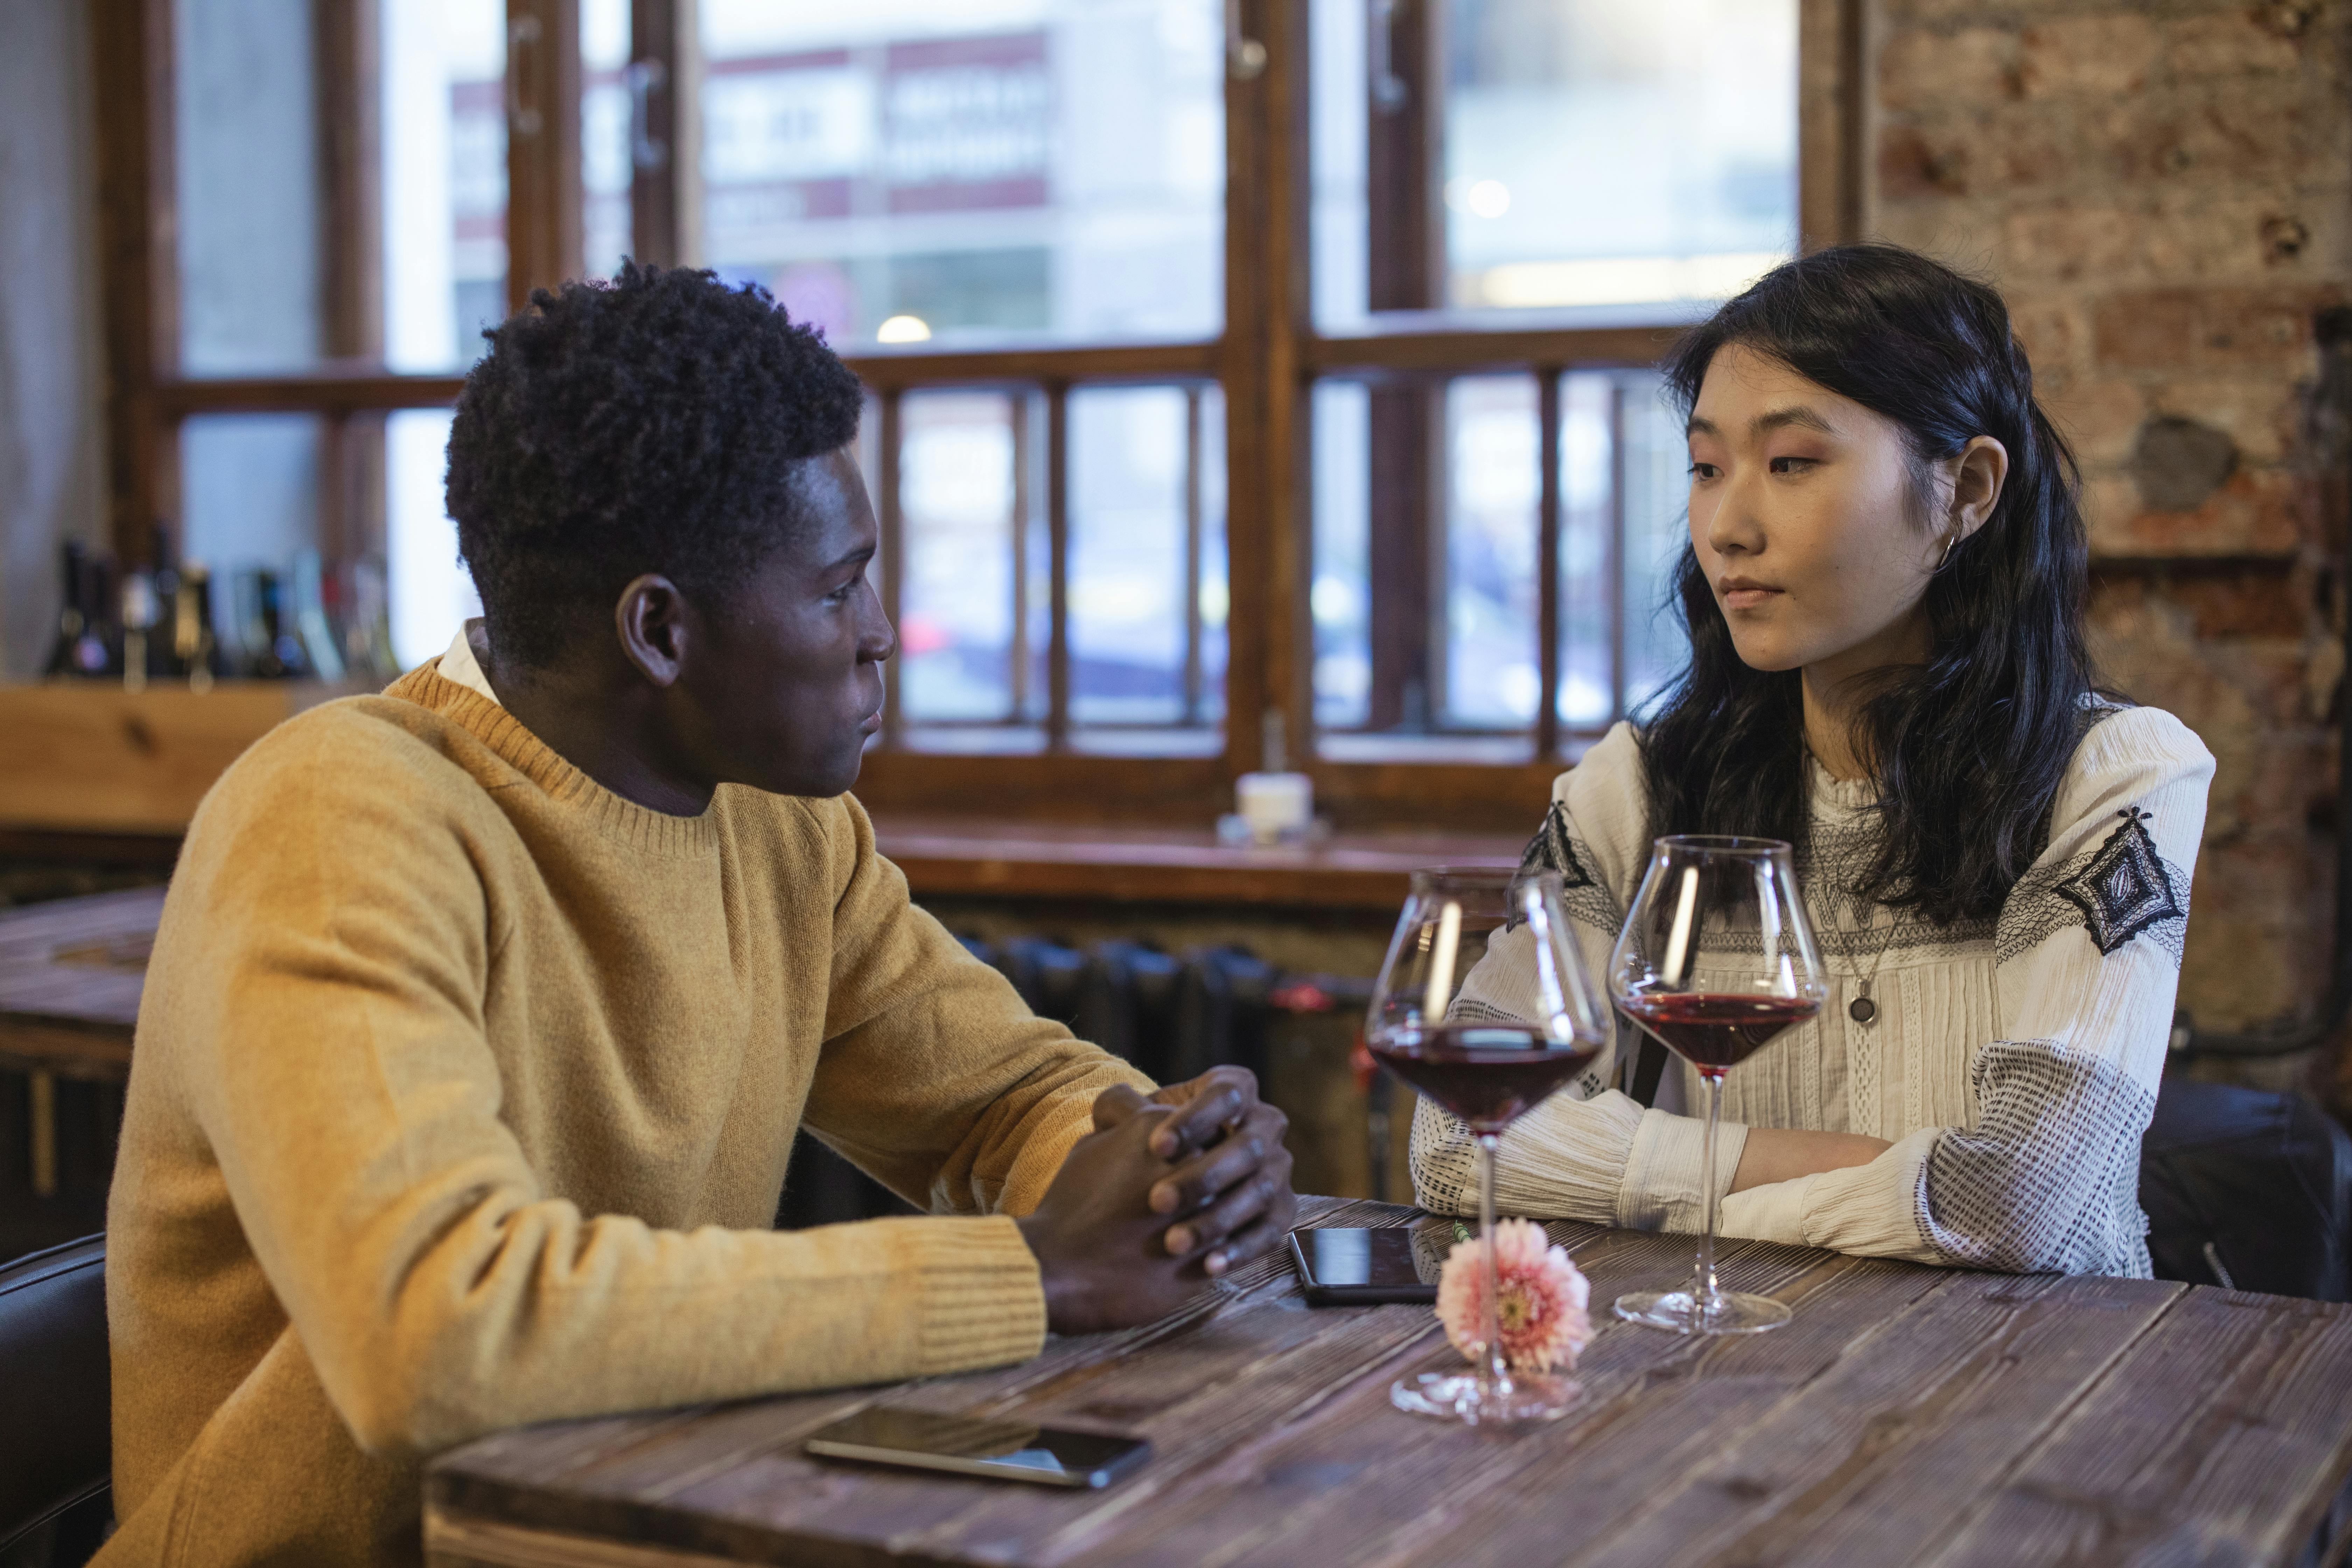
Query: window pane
x,y
1144,576
1337,159
1622,508
914,169
250,501
1491,680
606,143
1597,155
1657,532
445,180
1205,701
1586,552
1340,595
245,77
957,502
1600,154
432,594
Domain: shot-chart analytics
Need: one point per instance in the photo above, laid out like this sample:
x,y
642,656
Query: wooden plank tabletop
x,y
1908,1415
70,974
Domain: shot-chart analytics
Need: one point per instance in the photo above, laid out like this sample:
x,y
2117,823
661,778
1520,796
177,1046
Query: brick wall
x,y
2160,190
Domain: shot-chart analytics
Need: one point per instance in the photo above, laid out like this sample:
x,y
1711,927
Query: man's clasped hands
x,y
1166,1193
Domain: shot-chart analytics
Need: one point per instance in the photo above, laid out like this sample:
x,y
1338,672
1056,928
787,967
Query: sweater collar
x,y
1834,799
639,827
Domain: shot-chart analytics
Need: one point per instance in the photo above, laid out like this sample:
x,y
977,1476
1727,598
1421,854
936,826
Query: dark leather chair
x,y
2248,1189
57,1420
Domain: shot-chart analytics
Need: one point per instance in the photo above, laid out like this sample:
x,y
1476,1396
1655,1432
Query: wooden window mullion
x,y
544,238
130,48
1548,548
1057,566
1833,135
891,522
349,115
1616,551
1405,267
665,184
1260,366
1025,457
1193,544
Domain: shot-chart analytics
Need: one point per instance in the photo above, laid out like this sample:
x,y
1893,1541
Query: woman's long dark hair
x,y
1968,748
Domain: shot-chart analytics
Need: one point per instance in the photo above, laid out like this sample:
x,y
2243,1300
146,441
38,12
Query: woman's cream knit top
x,y
2012,1061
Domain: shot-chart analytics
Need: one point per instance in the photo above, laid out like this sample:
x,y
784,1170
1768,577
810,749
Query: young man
x,y
484,1012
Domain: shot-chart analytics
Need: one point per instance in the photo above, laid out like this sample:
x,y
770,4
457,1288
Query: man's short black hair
x,y
647,424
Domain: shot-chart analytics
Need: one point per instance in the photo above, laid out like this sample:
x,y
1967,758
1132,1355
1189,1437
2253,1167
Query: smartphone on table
x,y
1354,1268
972,1445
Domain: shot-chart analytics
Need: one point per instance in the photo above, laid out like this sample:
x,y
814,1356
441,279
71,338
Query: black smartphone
x,y
1353,1267
968,1446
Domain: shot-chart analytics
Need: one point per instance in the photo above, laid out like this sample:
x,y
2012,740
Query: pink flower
x,y
1541,1298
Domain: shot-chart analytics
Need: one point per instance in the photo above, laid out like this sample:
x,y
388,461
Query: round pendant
x,y
1862,1009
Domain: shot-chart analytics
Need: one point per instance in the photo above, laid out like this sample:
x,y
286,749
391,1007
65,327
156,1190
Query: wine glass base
x,y
1734,1312
1460,1398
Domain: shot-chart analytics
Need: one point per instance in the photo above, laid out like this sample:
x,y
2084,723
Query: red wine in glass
x,y
1715,960
1488,1074
1716,1032
1488,1068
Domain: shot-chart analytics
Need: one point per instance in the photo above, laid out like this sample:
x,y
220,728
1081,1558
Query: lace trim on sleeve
x,y
1556,847
2048,1180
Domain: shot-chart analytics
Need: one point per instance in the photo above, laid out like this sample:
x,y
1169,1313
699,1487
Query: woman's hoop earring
x,y
1946,558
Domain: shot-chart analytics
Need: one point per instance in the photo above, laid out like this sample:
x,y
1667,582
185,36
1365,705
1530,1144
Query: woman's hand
x,y
1783,1154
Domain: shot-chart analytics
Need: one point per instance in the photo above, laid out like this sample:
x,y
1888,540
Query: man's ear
x,y
652,618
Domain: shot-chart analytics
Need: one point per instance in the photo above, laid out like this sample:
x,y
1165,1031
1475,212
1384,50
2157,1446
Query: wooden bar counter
x,y
94,769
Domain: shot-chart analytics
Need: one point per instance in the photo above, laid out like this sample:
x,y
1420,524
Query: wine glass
x,y
1489,1062
1716,959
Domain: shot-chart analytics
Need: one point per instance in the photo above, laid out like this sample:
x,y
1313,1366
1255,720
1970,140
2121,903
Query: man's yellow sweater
x,y
462,1098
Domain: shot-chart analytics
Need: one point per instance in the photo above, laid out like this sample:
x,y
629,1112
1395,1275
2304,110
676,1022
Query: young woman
x,y
1884,594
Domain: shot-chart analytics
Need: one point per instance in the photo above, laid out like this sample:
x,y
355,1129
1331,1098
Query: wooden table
x,y
1907,1416
71,973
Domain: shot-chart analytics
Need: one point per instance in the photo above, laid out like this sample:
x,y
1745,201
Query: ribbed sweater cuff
x,y
1773,1213
1661,1190
980,1302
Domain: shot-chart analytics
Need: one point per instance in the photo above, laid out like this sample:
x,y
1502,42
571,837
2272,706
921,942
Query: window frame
x,y
1268,359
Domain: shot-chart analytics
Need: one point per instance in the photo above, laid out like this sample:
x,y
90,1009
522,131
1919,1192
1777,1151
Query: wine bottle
x,y
140,615
310,626
163,661
367,623
71,616
84,646
194,648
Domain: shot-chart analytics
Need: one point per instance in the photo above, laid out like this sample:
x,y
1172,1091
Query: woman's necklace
x,y
1862,1009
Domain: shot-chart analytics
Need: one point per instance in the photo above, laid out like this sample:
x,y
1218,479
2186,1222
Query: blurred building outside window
x,y
916,176
969,172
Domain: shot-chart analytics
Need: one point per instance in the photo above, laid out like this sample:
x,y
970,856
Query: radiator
x,y
1174,1016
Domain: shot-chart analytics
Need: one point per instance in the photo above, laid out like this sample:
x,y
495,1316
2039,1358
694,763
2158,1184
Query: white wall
x,y
52,481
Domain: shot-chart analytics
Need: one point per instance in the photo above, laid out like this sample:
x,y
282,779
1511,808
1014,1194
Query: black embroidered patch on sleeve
x,y
1552,849
2124,887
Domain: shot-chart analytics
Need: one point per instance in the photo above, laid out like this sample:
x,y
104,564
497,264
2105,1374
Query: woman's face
x,y
1804,513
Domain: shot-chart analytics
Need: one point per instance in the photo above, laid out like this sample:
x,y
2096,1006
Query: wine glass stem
x,y
1493,1371
1705,1297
